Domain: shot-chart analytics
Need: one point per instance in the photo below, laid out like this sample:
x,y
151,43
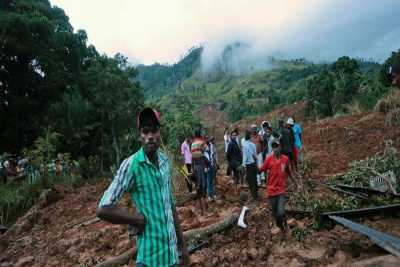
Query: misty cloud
x,y
321,32
160,31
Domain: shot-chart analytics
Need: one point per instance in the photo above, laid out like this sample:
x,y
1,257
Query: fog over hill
x,y
321,32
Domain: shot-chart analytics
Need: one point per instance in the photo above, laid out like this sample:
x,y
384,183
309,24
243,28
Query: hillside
x,y
241,93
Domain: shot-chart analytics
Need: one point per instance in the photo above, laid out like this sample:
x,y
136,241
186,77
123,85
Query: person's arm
x,y
290,172
228,153
108,211
181,240
265,166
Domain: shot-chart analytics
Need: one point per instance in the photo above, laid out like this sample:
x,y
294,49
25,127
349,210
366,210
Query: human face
x,y
233,136
150,138
277,150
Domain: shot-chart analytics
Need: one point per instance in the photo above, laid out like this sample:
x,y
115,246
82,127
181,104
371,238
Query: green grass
x,y
18,197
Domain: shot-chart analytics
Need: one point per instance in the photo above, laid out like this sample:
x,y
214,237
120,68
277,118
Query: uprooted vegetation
x,y
366,173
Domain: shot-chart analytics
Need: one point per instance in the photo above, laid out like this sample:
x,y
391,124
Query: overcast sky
x,y
149,31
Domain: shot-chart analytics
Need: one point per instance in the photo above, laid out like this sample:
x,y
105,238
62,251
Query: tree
x,y
40,57
320,90
347,81
116,99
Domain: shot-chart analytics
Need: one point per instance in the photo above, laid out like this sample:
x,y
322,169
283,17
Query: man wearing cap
x,y
278,168
146,176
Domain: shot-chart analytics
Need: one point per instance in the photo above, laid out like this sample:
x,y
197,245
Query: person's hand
x,y
205,169
134,230
185,257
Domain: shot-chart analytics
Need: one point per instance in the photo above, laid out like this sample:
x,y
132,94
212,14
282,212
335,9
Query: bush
x,y
389,102
393,118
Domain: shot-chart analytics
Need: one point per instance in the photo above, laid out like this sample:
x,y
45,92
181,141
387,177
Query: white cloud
x,y
161,31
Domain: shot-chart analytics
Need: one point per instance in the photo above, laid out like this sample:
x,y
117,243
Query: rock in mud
x,y
311,254
25,261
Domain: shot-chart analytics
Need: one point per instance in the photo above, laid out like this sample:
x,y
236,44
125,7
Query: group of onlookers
x,y
265,155
201,160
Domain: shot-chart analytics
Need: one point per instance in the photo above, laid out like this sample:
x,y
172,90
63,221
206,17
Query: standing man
x,y
212,170
187,155
278,168
286,140
200,168
146,176
227,139
250,164
297,131
259,142
234,157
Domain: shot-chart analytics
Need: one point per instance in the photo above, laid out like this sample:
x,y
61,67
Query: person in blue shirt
x,y
297,131
250,164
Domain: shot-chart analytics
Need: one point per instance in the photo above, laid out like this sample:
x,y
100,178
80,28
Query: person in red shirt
x,y
278,167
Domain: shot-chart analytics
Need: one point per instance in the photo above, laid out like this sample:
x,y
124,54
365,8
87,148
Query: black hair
x,y
247,135
197,133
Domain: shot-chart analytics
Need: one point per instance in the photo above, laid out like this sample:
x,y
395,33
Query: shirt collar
x,y
162,159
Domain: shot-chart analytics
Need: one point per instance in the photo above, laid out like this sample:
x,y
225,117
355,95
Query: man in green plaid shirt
x,y
146,176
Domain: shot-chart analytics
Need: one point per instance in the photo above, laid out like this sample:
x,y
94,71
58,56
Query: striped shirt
x,y
198,147
150,191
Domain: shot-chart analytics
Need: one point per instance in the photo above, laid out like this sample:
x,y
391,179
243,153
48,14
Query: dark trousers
x,y
237,175
189,167
251,176
277,204
201,178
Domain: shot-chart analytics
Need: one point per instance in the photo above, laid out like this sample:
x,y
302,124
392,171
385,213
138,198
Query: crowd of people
x,y
22,169
263,156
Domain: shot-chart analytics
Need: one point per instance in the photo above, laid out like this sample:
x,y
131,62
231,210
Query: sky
x,y
162,31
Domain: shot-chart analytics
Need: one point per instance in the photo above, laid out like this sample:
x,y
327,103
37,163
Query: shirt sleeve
x,y
122,183
266,165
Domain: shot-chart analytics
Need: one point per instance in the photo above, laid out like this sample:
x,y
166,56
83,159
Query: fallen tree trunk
x,y
189,235
211,229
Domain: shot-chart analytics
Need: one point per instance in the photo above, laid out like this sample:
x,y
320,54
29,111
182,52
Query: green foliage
x,y
300,233
331,91
15,199
50,78
178,123
361,171
320,91
40,57
158,79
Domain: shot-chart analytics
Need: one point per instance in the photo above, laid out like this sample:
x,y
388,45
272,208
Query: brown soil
x,y
61,238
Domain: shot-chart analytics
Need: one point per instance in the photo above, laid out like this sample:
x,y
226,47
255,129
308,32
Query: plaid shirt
x,y
150,190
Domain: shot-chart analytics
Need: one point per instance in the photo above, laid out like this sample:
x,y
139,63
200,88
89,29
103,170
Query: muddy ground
x,y
67,233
